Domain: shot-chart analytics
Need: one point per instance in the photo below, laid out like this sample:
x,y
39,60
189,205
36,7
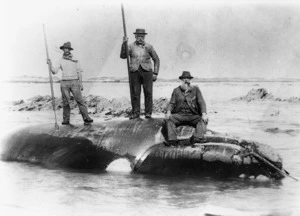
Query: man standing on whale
x,y
186,107
141,72
71,82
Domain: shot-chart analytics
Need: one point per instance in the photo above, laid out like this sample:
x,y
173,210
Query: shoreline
x,y
254,115
121,106
231,117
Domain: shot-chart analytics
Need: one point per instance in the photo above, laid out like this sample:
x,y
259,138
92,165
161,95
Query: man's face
x,y
186,81
67,51
140,38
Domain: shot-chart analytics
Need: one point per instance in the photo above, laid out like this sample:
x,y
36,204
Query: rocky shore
x,y
116,107
262,94
121,107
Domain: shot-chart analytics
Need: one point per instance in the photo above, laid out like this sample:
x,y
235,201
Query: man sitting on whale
x,y
186,107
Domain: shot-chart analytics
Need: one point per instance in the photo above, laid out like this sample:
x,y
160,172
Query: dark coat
x,y
141,55
193,97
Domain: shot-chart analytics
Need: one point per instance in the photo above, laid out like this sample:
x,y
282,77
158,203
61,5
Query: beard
x,y
187,82
186,85
66,53
140,41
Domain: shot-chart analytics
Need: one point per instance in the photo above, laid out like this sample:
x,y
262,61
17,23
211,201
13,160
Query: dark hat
x,y
140,31
66,45
186,75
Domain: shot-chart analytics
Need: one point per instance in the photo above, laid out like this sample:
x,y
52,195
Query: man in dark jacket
x,y
141,72
186,107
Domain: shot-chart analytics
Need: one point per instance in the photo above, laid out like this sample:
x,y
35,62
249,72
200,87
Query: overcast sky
x,y
210,40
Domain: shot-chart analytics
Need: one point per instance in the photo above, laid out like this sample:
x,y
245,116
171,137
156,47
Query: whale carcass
x,y
95,146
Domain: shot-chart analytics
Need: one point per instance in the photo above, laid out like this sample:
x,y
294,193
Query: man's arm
x,y
171,105
79,72
202,104
123,54
200,100
155,59
80,80
54,70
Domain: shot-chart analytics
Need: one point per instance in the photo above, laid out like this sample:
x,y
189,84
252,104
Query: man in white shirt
x,y
71,82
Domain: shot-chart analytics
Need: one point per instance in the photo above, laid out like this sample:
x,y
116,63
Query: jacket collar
x,y
182,89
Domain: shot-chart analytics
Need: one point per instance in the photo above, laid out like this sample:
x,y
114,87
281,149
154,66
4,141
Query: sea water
x,y
28,189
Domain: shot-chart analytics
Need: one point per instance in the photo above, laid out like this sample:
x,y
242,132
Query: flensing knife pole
x,y
51,81
284,173
126,45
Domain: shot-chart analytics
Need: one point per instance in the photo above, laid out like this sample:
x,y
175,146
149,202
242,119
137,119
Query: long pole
x,y
126,45
257,156
51,81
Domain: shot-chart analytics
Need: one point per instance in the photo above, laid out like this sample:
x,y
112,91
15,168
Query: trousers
x,y
184,119
138,79
68,86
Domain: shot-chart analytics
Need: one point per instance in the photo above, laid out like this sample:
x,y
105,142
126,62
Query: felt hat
x,y
140,31
186,75
66,45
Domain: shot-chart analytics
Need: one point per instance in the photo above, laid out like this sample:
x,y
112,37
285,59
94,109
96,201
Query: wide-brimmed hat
x,y
186,75
66,45
140,31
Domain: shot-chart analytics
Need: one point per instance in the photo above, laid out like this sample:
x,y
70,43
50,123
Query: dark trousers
x,y
137,79
66,88
184,119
